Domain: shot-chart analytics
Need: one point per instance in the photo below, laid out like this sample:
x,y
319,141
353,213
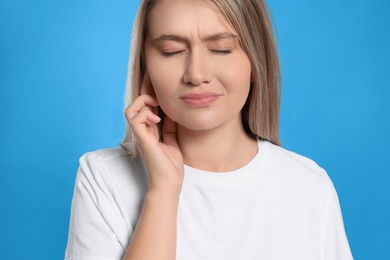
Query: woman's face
x,y
200,74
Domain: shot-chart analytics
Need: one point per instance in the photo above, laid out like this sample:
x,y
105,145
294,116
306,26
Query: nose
x,y
197,69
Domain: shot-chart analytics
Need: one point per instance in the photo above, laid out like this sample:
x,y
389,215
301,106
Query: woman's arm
x,y
155,235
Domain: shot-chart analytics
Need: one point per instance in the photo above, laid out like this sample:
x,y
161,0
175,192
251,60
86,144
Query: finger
x,y
146,86
140,103
169,131
143,117
144,126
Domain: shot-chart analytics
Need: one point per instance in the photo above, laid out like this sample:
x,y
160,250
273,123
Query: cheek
x,y
163,77
236,75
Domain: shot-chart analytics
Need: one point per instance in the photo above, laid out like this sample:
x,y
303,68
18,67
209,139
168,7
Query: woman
x,y
200,174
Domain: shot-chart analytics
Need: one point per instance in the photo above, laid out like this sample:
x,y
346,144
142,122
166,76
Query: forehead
x,y
189,18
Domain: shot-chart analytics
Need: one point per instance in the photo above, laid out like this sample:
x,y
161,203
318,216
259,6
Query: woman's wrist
x,y
163,194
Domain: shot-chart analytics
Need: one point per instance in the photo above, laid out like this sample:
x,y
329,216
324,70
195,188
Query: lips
x,y
200,99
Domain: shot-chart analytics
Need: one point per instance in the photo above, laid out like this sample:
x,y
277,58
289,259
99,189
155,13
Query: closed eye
x,y
169,54
222,51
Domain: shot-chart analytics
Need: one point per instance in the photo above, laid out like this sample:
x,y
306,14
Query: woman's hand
x,y
163,160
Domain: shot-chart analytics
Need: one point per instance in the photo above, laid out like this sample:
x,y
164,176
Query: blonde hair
x,y
251,20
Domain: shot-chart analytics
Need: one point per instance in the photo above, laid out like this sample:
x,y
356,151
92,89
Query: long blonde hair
x,y
251,20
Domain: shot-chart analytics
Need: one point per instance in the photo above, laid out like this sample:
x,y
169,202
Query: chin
x,y
204,120
196,124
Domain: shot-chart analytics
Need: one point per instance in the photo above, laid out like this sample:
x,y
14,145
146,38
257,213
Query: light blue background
x,y
62,75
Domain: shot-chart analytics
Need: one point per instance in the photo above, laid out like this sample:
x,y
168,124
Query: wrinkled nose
x,y
197,69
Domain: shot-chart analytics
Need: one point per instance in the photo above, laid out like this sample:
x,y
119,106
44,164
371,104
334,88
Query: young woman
x,y
201,174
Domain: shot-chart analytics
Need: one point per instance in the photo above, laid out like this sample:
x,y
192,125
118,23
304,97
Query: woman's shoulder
x,y
298,174
104,154
113,157
111,162
113,168
296,163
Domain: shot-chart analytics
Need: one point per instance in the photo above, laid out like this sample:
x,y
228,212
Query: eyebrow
x,y
178,38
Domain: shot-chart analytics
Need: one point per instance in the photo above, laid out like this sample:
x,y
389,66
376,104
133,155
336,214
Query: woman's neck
x,y
225,148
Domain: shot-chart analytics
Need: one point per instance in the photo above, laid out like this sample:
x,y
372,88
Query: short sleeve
x,y
334,242
97,229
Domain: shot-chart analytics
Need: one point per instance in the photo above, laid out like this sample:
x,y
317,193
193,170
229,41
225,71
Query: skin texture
x,y
208,135
197,66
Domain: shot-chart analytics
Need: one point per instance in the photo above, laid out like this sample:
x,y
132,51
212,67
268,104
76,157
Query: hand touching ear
x,y
141,117
163,159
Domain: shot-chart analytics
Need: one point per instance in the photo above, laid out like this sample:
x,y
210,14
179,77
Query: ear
x,y
146,86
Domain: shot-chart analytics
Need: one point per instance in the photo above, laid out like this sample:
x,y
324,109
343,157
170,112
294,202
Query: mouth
x,y
200,99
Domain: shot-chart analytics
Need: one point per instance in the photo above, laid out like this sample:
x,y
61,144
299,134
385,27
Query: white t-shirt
x,y
281,205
